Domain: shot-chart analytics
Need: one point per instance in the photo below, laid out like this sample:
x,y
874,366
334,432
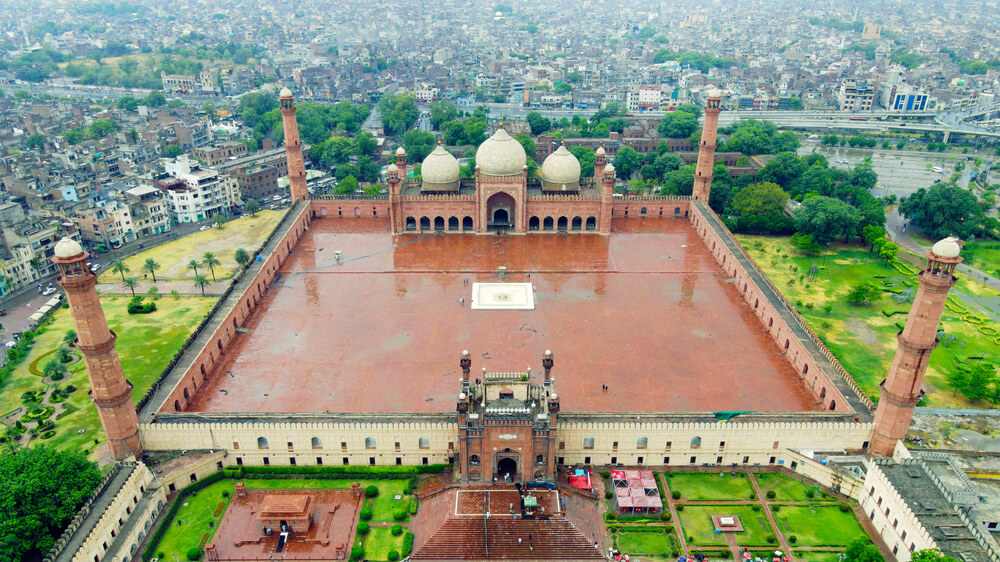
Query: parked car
x,y
48,291
96,267
206,227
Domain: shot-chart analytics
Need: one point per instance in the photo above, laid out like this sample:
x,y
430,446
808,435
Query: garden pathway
x,y
164,288
673,513
770,516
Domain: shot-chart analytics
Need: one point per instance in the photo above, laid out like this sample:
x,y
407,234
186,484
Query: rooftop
x,y
646,311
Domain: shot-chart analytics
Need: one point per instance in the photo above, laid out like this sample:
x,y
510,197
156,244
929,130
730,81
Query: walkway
x,y
894,226
165,288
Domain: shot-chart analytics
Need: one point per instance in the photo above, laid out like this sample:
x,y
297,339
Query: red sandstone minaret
x,y
109,390
600,159
607,198
901,391
293,147
395,199
401,162
706,152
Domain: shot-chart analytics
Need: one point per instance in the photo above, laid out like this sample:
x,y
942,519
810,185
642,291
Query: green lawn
x,y
696,521
985,258
380,541
863,338
817,556
190,528
819,525
785,487
644,543
146,344
710,486
385,503
247,232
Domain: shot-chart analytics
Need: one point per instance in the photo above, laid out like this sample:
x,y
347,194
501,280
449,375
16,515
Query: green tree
x,y
678,125
826,218
200,282
155,99
35,141
153,292
862,550
42,490
586,157
538,123
626,162
864,294
944,210
150,266
760,208
69,339
172,151
364,143
399,112
418,144
888,252
128,103
930,555
209,108
251,206
242,257
130,284
55,369
217,220
194,265
442,112
337,151
872,234
120,268
209,260
347,185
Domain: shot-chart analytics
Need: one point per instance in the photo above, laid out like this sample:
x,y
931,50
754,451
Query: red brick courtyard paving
x,y
382,331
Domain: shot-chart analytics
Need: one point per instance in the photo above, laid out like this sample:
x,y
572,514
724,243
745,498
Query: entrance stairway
x,y
465,538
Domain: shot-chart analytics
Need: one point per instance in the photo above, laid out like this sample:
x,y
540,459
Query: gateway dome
x,y
501,155
560,171
440,171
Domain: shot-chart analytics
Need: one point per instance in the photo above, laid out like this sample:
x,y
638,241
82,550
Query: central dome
x,y
440,171
560,171
501,155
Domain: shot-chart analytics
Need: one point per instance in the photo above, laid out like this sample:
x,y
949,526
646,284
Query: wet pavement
x,y
646,311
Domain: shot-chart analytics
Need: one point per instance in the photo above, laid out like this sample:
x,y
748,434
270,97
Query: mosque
x,y
338,344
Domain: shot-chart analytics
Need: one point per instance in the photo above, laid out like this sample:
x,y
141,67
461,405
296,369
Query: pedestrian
x,y
518,540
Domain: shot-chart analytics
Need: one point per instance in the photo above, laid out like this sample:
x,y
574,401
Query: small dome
x,y
947,248
285,93
609,169
68,248
400,152
440,167
501,155
561,167
715,93
600,151
392,168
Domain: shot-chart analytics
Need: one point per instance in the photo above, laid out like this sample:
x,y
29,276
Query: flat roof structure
x,y
646,311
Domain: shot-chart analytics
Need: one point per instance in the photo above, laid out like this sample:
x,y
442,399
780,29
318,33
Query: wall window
x,y
370,443
474,460
424,443
695,442
262,443
588,442
317,443
641,442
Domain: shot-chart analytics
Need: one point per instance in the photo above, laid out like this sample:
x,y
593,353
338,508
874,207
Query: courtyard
x,y
354,303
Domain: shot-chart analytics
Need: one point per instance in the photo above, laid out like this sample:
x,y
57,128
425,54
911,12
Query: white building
x,y
856,95
195,193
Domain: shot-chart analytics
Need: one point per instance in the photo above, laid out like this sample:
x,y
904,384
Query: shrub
x,y
665,516
775,508
366,514
136,306
397,530
363,528
371,491
414,504
844,507
810,493
753,496
771,539
407,544
160,554
755,507
225,493
679,508
606,474
194,553
771,494
398,514
610,516
48,434
69,389
393,556
793,539
675,494
608,494
357,552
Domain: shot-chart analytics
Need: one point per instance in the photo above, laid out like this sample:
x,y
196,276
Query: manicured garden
x,y
146,343
863,338
786,488
196,520
247,232
696,522
818,525
696,486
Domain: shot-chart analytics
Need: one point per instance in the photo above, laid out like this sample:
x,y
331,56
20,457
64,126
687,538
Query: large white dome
x,y
561,168
947,248
501,155
68,248
440,170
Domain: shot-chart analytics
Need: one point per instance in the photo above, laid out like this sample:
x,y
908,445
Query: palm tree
x,y
194,264
251,206
210,261
150,267
70,338
201,282
131,283
120,268
55,370
242,257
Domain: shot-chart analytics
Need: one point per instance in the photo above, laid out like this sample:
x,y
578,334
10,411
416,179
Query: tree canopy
x,y
399,112
825,218
944,209
41,490
418,144
760,208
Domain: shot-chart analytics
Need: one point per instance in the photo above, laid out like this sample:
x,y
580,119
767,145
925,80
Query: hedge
x,y
642,528
407,544
157,536
338,472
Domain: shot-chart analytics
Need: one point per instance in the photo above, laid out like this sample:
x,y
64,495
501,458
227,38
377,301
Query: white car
x,y
206,227
96,267
48,291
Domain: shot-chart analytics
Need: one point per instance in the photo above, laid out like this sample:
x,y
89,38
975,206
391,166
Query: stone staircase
x,y
466,538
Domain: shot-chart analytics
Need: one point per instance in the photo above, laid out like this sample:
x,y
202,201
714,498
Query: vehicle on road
x,y
937,169
204,228
96,267
48,291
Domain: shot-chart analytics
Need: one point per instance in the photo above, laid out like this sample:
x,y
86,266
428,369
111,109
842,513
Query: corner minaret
x,y
607,198
600,159
900,391
109,390
293,147
395,201
706,152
